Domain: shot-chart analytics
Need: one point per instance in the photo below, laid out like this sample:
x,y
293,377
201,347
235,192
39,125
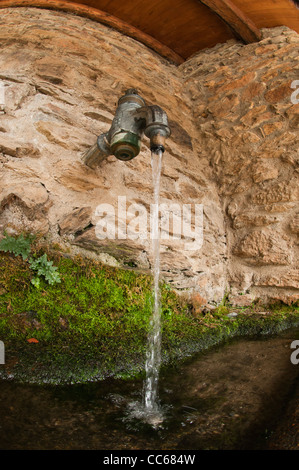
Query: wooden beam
x,y
242,26
101,17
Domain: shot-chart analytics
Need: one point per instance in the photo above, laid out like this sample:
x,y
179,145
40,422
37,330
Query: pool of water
x,y
231,397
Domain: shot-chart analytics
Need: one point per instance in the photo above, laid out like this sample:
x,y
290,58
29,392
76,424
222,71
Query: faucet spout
x,y
132,119
157,129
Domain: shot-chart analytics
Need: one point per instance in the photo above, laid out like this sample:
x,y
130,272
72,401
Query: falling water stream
x,y
153,357
149,410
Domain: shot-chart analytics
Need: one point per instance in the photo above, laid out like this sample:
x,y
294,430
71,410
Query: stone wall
x,y
233,149
248,132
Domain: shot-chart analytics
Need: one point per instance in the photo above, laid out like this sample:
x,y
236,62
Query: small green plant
x,y
22,246
225,299
221,311
36,282
44,268
17,246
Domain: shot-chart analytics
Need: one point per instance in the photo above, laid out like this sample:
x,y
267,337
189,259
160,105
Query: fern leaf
x,y
17,246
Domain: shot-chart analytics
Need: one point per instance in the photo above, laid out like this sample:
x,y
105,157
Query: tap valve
x,y
132,119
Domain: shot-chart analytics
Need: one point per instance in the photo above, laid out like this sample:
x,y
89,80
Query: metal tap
x,y
132,120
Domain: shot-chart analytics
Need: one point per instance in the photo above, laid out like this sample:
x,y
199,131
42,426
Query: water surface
x,y
230,397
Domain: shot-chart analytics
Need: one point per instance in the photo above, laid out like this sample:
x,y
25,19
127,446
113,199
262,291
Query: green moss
x,y
221,311
94,323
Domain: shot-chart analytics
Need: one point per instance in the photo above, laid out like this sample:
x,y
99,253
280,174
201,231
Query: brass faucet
x,y
132,119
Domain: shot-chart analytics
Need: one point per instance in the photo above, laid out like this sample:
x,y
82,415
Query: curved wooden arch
x,y
242,26
178,29
101,17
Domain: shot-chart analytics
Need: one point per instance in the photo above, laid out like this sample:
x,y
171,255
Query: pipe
x,y
132,120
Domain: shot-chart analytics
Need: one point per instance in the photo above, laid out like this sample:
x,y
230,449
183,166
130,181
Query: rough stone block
x,y
264,247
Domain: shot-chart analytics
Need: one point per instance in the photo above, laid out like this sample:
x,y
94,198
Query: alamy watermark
x,y
2,353
176,222
2,96
295,94
295,354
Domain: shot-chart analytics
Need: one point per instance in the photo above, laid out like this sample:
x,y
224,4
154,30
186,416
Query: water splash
x,y
153,357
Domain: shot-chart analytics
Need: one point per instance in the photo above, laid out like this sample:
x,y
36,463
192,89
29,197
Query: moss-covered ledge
x,y
93,324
